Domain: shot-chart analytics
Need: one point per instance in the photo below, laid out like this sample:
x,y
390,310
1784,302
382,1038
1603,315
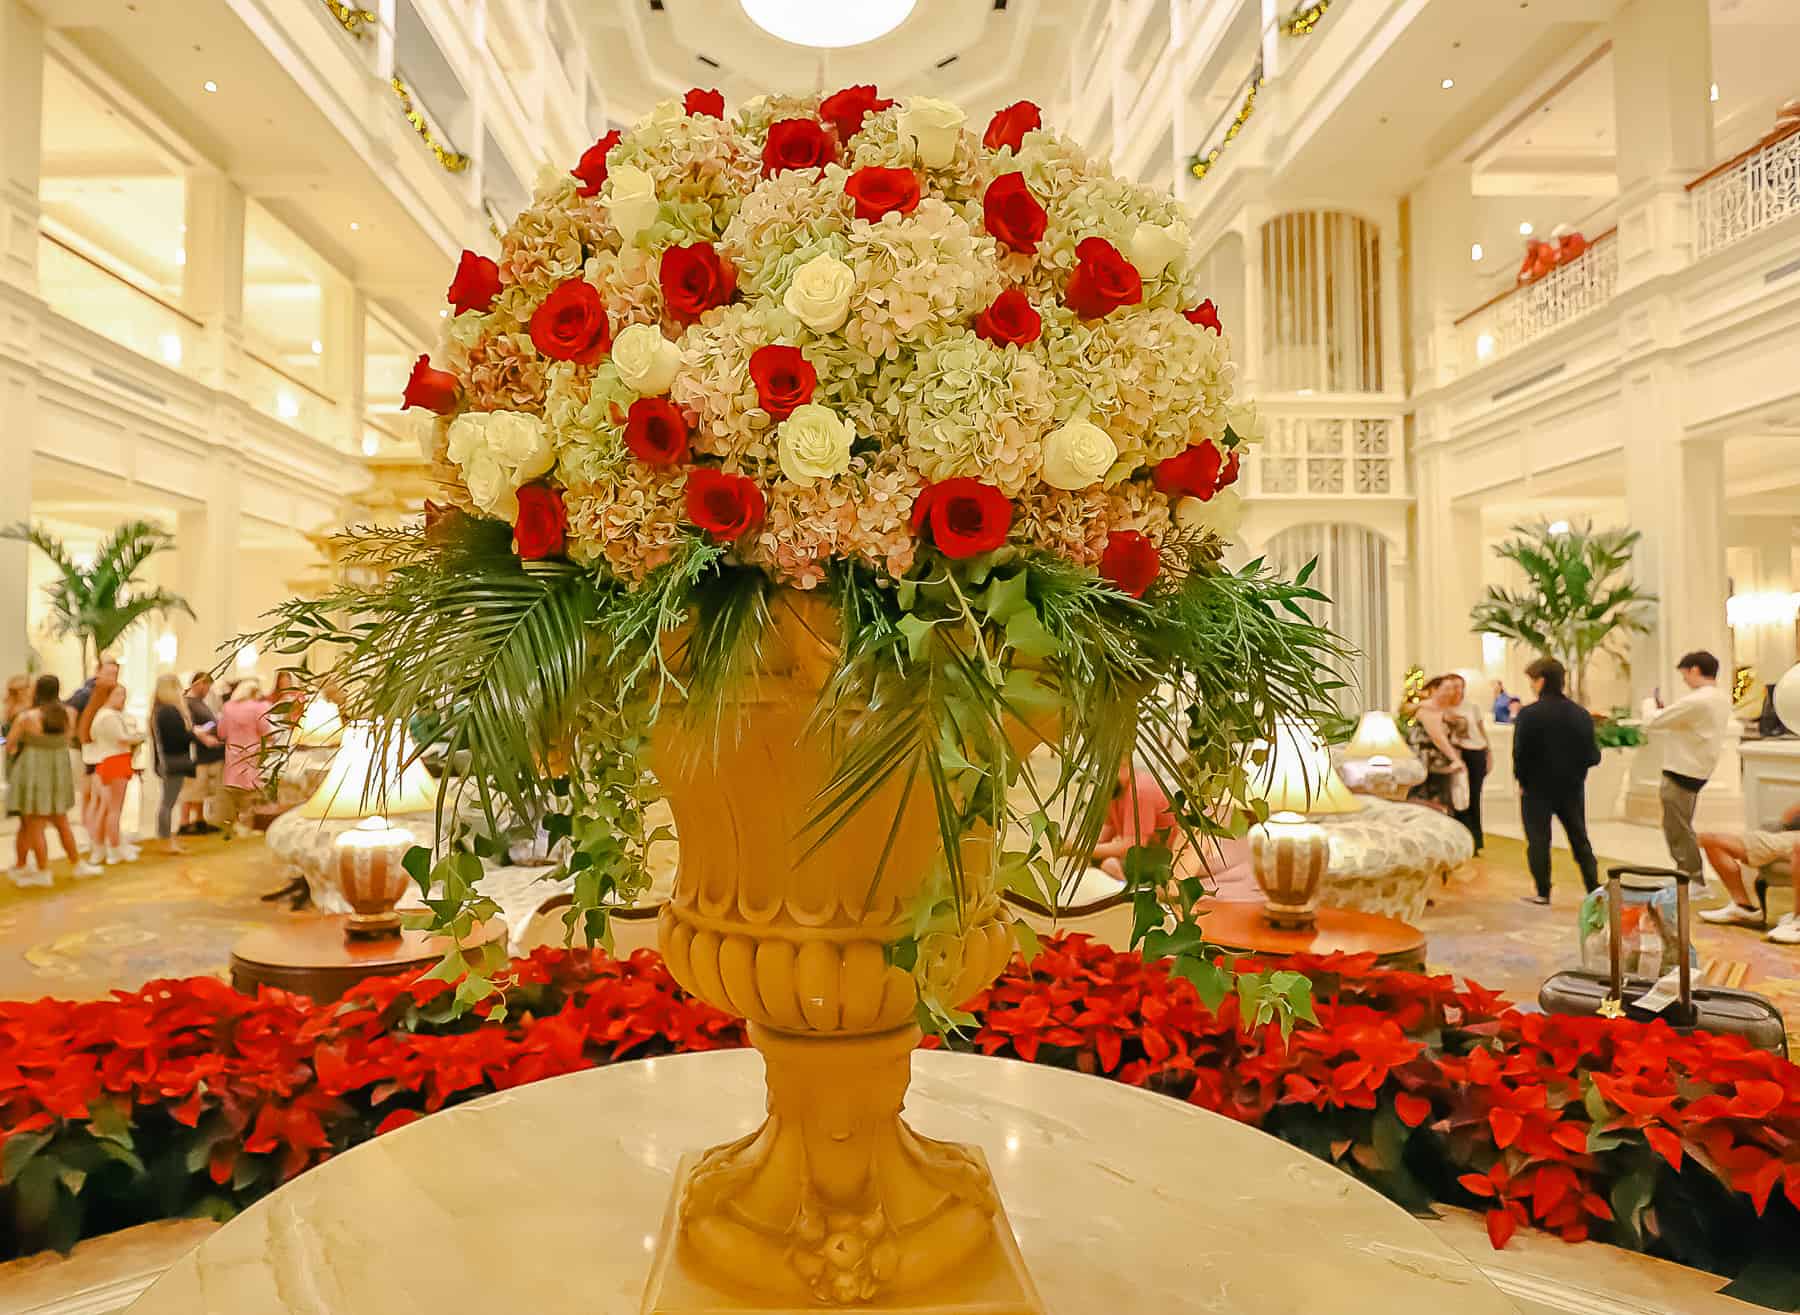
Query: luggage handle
x,y
1687,1015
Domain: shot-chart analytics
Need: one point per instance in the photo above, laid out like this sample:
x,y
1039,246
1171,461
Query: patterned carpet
x,y
180,916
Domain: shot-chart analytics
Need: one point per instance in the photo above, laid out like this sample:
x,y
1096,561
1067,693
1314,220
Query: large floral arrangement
x,y
187,1097
970,388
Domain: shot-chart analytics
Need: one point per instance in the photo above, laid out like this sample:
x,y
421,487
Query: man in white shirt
x,y
1693,730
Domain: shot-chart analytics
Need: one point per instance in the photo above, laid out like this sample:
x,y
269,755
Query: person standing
x,y
42,776
1503,704
174,742
209,758
1437,724
113,740
1553,750
1694,736
245,727
1469,736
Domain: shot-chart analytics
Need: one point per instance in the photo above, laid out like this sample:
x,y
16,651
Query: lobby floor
x,y
173,917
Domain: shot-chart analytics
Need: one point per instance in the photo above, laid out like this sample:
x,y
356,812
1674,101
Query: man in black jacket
x,y
1553,748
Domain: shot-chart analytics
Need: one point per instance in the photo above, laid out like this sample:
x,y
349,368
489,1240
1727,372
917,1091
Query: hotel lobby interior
x,y
601,596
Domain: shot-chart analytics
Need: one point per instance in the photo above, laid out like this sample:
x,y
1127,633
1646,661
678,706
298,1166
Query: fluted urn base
x,y
835,1201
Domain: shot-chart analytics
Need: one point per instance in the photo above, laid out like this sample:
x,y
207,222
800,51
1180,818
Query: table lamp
x,y
355,785
1289,852
319,726
1372,757
367,862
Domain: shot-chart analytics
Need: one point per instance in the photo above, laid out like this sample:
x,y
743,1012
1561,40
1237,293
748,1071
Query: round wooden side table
x,y
311,955
1244,926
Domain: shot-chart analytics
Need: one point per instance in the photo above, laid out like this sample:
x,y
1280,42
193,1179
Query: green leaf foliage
x,y
97,602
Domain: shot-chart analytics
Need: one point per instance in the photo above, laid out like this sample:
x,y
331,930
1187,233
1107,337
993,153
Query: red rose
x,y
784,379
1206,315
796,144
1229,475
877,191
543,522
1009,126
1012,214
1130,562
1103,280
1010,319
429,389
708,103
846,109
592,169
726,506
571,325
656,432
695,278
1192,474
476,284
966,517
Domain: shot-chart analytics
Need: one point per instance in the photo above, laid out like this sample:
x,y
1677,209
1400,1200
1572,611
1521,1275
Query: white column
x,y
22,113
1443,277
207,544
1447,558
212,287
18,437
341,367
1674,495
1662,74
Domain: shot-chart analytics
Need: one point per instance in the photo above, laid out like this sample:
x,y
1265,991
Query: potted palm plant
x,y
96,602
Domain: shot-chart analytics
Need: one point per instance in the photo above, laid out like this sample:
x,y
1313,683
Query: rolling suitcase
x,y
1708,1009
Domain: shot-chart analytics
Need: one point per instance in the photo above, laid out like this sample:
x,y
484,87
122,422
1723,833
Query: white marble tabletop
x,y
546,1199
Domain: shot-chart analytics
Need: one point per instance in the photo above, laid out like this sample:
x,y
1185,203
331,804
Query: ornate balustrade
x,y
1747,193
1531,310
1311,455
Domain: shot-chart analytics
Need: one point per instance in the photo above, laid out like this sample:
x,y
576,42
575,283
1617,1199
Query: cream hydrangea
x,y
629,522
913,278
967,407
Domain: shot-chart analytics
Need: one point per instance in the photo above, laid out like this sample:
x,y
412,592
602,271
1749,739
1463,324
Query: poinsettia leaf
x,y
19,1149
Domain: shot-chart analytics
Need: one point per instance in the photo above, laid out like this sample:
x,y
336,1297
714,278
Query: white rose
x,y
653,127
819,294
1245,421
1077,454
1220,514
1154,246
631,201
491,487
467,436
520,443
935,125
814,444
646,360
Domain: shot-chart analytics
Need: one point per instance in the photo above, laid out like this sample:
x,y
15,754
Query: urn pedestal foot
x,y
835,1201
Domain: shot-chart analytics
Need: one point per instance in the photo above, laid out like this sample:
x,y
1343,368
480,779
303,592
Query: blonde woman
x,y
43,783
174,744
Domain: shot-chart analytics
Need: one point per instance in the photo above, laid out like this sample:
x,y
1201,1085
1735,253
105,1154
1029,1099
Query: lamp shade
x,y
1378,736
356,785
1297,777
319,727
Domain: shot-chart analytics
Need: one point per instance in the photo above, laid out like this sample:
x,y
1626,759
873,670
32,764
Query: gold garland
x,y
1303,20
351,18
1201,165
453,161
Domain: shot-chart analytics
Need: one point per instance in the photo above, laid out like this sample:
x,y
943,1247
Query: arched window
x,y
1321,286
1353,574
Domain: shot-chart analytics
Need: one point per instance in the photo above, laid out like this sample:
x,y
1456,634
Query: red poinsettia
x,y
476,284
695,278
1012,214
592,168
429,389
796,144
877,192
784,379
656,432
845,110
724,505
964,516
1010,319
708,104
571,324
1008,126
1103,280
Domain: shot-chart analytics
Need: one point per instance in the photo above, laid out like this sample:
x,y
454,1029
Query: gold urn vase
x,y
834,1200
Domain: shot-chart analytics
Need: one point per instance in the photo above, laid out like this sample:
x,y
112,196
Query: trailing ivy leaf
x,y
918,635
1006,597
1160,944
1212,982
1026,937
1027,635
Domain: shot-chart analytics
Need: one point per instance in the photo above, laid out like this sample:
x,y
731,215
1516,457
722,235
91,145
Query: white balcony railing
x,y
1312,455
1746,194
1531,310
